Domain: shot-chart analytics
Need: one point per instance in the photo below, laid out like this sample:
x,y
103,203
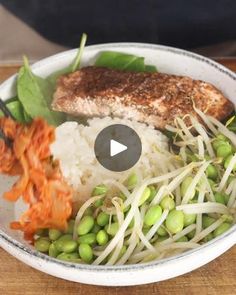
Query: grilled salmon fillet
x,y
153,98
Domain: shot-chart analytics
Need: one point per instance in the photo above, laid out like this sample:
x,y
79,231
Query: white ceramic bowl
x,y
169,60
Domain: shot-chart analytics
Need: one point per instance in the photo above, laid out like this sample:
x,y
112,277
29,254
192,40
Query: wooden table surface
x,y
217,277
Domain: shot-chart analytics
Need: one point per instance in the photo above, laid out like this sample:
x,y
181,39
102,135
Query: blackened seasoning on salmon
x,y
153,98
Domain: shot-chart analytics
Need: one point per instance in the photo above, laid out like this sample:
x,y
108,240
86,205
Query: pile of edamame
x,y
97,228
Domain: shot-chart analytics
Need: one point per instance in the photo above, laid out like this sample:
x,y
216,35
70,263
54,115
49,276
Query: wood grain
x,y
7,71
217,277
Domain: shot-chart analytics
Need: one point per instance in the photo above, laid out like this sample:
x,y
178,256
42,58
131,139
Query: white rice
x,y
74,148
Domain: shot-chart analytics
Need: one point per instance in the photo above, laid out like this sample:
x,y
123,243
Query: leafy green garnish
x,y
75,65
72,67
16,109
150,68
120,61
35,94
123,61
27,118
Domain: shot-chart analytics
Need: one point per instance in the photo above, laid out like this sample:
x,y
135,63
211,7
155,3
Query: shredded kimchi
x,y
40,184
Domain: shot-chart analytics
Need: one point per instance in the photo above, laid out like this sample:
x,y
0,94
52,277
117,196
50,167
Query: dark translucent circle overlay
x,y
124,135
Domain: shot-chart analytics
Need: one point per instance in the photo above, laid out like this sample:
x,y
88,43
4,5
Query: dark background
x,y
180,23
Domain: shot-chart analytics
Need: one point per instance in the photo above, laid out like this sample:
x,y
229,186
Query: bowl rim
x,y
116,268
131,267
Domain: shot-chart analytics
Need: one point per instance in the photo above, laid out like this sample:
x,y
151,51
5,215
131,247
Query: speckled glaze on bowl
x,y
168,60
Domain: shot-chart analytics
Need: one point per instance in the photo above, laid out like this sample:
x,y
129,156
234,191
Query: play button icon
x,y
118,147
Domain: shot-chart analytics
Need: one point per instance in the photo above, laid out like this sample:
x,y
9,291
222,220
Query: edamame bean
x,y
224,150
211,172
96,228
70,228
207,221
100,190
132,181
86,253
69,246
227,161
42,245
153,193
102,219
54,234
162,231
152,215
71,257
102,237
222,137
185,185
182,239
87,239
221,229
220,198
146,194
175,221
112,228
189,219
85,225
208,238
216,143
60,242
98,203
53,252
219,140
167,203
146,226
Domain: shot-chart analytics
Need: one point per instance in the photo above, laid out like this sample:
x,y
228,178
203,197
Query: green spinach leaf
x,y
16,109
123,61
35,94
72,67
150,68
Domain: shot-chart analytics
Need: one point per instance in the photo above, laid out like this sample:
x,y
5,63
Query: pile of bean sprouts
x,y
190,138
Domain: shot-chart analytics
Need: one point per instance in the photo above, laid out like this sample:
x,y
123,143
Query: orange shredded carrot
x,y
40,184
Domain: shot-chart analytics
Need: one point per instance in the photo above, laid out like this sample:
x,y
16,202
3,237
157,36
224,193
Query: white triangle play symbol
x,y
116,147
